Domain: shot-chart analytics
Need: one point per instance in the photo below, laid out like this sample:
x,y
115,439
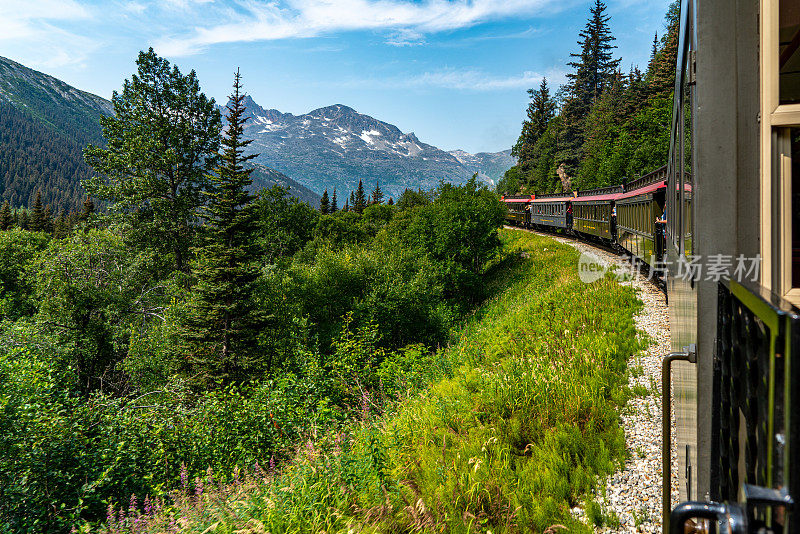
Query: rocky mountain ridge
x,y
336,146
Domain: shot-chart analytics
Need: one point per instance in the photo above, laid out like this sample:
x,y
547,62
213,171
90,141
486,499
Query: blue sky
x,y
455,72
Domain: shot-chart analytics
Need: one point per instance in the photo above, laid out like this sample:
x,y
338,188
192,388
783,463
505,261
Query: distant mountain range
x,y
335,147
45,124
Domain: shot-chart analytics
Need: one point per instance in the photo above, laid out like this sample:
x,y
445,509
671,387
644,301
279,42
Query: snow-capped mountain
x,y
490,165
335,147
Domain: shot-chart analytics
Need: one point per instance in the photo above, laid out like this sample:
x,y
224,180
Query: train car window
x,y
688,242
673,219
795,204
789,59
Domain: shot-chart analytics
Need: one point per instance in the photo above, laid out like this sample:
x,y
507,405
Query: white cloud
x,y
32,29
264,20
137,8
474,80
406,37
462,80
15,11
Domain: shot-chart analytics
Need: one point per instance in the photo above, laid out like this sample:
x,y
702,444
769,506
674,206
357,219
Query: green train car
x,y
637,211
593,212
518,210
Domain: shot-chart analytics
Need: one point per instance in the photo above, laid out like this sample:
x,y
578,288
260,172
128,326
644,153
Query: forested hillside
x,y
44,125
604,125
33,157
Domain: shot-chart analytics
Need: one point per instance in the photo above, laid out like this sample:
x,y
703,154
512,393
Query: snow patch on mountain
x,y
336,146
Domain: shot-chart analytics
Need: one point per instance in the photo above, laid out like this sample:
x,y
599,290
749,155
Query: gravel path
x,y
633,494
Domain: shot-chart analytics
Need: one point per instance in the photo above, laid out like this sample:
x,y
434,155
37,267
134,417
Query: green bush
x,y
18,251
517,424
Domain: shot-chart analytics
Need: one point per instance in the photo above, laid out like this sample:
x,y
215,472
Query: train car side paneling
x,y
592,218
518,212
552,214
637,230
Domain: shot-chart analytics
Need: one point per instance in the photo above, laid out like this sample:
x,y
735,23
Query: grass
x,y
508,439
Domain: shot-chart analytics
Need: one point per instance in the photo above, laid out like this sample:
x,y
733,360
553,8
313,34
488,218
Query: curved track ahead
x,y
620,256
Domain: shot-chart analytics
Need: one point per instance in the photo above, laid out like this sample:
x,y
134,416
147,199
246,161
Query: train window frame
x,y
776,162
677,217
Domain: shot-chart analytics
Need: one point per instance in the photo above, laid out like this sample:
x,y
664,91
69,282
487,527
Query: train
x,y
730,195
629,217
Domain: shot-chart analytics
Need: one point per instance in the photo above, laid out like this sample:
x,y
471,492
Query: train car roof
x,y
553,199
596,198
644,190
517,199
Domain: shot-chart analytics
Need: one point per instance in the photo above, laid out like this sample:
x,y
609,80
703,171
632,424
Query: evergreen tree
x,y
48,220
592,73
324,203
391,201
352,200
223,322
6,218
24,220
162,139
37,222
334,202
360,200
661,71
86,211
654,50
377,194
60,226
541,111
601,128
596,66
346,205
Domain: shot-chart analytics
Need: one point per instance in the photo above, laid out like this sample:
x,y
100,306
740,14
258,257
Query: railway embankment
x,y
517,421
629,500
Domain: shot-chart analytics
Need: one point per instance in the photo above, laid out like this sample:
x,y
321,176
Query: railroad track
x,y
619,255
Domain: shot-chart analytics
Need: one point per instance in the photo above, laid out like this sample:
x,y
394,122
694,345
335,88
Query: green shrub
x,y
519,421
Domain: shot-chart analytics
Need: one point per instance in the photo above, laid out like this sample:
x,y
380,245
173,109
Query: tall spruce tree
x,y
595,68
592,73
540,112
38,222
360,199
6,218
377,194
223,321
654,50
352,200
162,140
324,203
48,220
661,71
334,202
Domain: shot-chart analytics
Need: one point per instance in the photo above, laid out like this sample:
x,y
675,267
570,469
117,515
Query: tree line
x,y
603,126
357,201
39,217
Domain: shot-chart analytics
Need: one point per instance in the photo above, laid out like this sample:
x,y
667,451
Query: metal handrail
x,y
657,175
601,191
690,355
554,195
